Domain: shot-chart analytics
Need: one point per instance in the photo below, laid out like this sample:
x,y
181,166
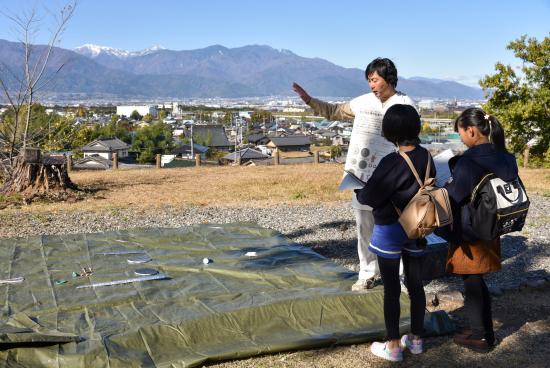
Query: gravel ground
x,y
521,317
329,229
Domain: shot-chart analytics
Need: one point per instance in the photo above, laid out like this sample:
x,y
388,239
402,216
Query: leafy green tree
x,y
85,134
49,132
148,118
147,155
162,115
81,112
135,115
426,129
152,140
184,139
227,118
335,151
521,101
119,129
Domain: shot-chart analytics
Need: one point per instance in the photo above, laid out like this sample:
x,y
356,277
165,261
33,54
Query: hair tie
x,y
487,117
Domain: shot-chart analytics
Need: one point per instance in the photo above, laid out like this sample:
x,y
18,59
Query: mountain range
x,y
214,71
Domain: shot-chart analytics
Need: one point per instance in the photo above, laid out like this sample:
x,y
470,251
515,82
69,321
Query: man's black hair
x,y
401,125
385,68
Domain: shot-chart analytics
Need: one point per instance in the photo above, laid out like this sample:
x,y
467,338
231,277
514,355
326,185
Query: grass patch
x,y
10,199
298,195
230,186
536,180
294,154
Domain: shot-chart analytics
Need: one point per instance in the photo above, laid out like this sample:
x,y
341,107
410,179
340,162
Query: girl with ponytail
x,y
487,125
470,257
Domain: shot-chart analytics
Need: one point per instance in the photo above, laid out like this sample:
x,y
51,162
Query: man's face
x,y
380,87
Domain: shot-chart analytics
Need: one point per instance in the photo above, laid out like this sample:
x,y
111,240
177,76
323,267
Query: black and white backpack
x,y
496,207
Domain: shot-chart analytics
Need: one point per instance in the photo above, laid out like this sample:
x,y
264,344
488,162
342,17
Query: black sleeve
x,y
463,181
379,187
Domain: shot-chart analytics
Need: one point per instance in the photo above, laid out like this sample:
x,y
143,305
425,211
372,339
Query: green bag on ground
x,y
438,323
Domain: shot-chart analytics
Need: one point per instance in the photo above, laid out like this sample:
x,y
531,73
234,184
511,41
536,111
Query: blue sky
x,y
449,39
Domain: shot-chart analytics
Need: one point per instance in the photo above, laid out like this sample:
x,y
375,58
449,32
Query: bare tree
x,y
23,168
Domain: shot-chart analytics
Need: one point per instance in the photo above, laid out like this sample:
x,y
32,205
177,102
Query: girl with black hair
x,y
469,257
392,185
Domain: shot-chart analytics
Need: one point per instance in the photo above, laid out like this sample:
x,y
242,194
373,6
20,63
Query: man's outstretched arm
x,y
329,111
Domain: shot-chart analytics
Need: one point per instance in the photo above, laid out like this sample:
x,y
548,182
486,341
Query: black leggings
x,y
389,269
477,303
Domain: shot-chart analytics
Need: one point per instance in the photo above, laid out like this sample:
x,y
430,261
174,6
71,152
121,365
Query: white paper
x,y
350,181
434,239
441,162
367,146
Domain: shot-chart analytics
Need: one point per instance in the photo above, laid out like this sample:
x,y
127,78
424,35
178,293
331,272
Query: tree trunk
x,y
43,177
526,156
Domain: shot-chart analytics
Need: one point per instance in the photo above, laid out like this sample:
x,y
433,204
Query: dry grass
x,y
295,154
253,186
536,180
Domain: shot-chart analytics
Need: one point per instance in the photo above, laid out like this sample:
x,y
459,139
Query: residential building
x,y
185,151
92,163
245,155
290,143
105,147
212,136
258,139
127,110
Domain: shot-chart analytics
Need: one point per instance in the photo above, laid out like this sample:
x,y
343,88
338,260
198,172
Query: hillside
x,y
215,71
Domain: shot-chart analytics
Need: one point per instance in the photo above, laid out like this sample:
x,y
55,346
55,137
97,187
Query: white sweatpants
x,y
368,264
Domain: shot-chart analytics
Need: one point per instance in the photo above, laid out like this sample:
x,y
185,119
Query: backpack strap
x,y
411,166
427,176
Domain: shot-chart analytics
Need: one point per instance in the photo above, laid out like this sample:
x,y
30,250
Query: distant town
x,y
224,131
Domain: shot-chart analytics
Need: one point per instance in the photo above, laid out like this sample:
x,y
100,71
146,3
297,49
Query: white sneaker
x,y
364,284
380,350
415,346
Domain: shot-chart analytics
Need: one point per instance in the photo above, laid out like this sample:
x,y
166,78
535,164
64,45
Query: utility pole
x,y
241,126
234,122
192,145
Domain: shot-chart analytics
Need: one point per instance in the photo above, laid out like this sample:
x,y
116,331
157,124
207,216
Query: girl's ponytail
x,y
487,124
496,134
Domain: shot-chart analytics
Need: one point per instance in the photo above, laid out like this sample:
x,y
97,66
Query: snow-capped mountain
x,y
213,71
94,51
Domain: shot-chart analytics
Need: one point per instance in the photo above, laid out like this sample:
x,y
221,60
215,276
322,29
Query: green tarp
x,y
285,297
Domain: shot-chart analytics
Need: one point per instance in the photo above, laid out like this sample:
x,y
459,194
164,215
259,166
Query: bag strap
x,y
500,191
427,176
483,180
413,169
411,166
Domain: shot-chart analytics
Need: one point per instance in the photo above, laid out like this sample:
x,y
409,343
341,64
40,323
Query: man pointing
x,y
367,112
